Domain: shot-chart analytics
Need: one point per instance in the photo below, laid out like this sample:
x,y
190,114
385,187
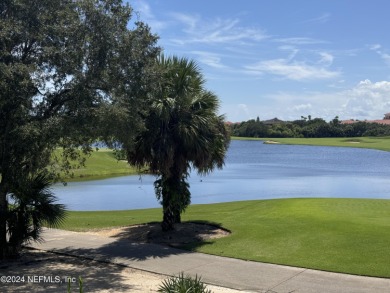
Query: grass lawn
x,y
340,235
102,164
378,143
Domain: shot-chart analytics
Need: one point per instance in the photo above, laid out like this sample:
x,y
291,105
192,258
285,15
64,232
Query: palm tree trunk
x,y
168,205
168,220
176,198
171,213
177,217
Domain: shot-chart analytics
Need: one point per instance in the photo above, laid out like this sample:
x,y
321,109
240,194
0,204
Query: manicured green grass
x,y
246,138
378,143
102,164
340,235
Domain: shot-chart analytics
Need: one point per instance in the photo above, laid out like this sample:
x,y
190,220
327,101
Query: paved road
x,y
221,271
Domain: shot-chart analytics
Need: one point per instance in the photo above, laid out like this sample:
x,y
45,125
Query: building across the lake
x,y
273,121
267,122
385,120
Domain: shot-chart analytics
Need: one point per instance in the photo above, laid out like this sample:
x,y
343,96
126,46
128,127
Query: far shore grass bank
x,y
378,143
339,235
102,164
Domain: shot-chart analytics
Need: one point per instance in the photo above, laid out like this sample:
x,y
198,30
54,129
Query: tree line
x,y
307,127
76,72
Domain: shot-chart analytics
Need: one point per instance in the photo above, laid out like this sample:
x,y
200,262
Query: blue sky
x,y
282,59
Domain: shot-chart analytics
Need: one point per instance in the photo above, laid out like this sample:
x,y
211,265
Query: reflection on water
x,y
253,170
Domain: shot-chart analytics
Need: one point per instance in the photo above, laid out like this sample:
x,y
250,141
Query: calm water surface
x,y
253,170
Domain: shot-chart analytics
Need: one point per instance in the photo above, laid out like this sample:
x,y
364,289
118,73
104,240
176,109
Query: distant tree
x,y
335,121
182,131
66,67
308,127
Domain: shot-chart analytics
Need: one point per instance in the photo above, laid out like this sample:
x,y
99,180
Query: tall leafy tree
x,y
69,71
182,131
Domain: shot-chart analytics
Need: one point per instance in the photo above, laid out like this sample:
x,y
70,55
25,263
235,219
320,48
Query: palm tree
x,y
182,131
33,206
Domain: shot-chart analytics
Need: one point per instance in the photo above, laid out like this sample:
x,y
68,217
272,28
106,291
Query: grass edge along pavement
x,y
338,235
377,143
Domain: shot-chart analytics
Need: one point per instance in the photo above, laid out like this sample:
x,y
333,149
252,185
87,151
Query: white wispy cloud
x,y
294,70
210,59
323,18
143,10
289,48
302,107
189,20
375,47
326,58
385,57
299,41
218,30
378,49
244,108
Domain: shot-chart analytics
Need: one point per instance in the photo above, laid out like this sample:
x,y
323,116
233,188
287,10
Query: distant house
x,y
229,123
273,121
350,121
385,120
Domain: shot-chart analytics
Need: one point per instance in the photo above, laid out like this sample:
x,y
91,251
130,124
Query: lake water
x,y
253,170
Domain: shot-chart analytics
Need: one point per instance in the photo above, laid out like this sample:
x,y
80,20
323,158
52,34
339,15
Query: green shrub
x,y
33,207
183,284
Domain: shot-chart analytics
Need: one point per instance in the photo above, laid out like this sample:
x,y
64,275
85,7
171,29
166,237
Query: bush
x,y
33,207
183,284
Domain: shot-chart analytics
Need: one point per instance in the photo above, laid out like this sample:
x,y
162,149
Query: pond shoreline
x,y
253,170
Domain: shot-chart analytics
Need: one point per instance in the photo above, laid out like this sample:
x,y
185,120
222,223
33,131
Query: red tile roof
x,y
382,121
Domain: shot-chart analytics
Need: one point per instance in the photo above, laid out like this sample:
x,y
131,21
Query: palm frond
x,y
34,206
